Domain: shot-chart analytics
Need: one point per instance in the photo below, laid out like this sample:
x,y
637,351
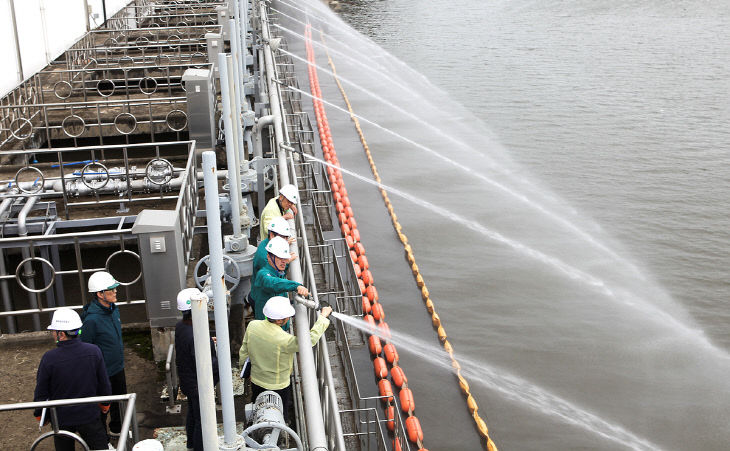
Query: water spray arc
x,y
406,397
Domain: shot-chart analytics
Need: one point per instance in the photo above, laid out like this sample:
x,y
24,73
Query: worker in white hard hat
x,y
103,327
148,445
186,367
73,369
277,227
271,350
285,205
270,280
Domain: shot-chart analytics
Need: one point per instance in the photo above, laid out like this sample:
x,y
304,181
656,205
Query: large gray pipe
x,y
234,183
206,393
310,391
28,268
215,261
4,289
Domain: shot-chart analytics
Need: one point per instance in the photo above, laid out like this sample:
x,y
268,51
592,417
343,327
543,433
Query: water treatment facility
x,y
517,211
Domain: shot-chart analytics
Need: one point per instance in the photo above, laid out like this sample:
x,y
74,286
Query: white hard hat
x,y
65,319
279,247
101,281
148,445
290,192
280,226
278,307
184,297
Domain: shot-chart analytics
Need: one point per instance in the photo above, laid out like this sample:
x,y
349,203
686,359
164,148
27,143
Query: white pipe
x,y
18,58
218,283
4,289
206,394
25,252
233,88
234,183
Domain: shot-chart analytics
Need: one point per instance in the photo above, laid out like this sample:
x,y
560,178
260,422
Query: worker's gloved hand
x,y
104,408
326,311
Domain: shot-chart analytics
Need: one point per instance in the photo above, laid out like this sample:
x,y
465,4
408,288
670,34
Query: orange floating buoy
x,y
348,211
370,320
340,208
367,276
378,312
384,329
376,347
330,170
357,269
407,402
359,248
351,222
334,186
345,200
413,427
366,307
399,376
363,262
390,417
386,390
342,218
391,354
355,234
349,242
346,231
343,190
362,285
381,368
396,445
371,291
336,195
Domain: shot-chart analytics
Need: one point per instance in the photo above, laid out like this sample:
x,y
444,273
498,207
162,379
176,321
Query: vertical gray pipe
x,y
234,175
215,261
4,289
25,252
18,58
234,87
206,394
310,390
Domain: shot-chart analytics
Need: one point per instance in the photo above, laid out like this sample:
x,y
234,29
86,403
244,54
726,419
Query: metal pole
x,y
238,53
103,9
86,13
310,390
17,42
206,395
234,183
233,88
240,99
219,296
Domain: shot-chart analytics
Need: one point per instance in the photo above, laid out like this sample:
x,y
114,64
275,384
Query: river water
x,y
586,144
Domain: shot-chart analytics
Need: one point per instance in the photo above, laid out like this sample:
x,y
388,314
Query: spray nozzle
x,y
308,302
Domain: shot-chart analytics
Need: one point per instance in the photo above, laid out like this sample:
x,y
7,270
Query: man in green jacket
x,y
271,350
277,227
285,205
270,281
103,327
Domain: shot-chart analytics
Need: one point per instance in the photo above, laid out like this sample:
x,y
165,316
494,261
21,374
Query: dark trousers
x,y
193,427
285,394
119,387
94,434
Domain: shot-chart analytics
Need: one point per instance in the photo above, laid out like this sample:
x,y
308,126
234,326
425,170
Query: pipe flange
x,y
100,170
35,290
159,171
37,184
107,265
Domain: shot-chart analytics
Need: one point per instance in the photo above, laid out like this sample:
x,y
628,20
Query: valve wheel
x,y
231,272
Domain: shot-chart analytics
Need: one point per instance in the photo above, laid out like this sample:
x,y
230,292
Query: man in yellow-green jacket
x,y
271,350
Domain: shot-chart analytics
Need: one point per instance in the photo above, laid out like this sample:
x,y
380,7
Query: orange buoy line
x,y
374,314
436,320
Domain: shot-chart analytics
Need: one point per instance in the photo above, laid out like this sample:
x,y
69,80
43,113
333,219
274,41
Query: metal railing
x,y
26,124
49,263
126,403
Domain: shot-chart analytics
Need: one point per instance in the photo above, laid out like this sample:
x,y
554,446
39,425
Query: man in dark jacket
x,y
186,368
73,370
103,327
